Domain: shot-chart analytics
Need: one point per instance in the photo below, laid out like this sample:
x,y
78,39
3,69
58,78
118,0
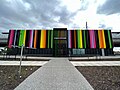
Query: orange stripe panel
x,y
100,39
35,39
103,39
101,35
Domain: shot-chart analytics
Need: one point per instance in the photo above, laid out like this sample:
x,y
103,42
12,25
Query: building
x,y
61,42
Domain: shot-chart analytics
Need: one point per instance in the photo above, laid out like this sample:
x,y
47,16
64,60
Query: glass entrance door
x,y
60,48
60,42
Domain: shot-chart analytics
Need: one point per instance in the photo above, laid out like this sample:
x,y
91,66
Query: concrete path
x,y
57,74
75,63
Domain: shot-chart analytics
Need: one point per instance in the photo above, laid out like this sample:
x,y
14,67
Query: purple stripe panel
x,y
31,38
69,39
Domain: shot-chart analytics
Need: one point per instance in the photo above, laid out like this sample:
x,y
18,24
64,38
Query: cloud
x,y
44,14
34,14
109,7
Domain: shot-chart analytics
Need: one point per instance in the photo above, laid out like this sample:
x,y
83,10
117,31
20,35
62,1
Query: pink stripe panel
x,y
91,38
94,39
11,38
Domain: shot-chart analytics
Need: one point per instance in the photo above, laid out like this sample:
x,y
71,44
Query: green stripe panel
x,y
78,36
51,38
48,39
109,38
84,39
21,39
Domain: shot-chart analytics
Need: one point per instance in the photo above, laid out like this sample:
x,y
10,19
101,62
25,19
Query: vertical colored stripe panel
x,y
21,38
15,37
106,38
27,38
48,44
81,42
8,38
39,38
51,38
97,39
103,39
87,39
24,38
69,39
78,36
110,39
35,39
46,39
11,38
43,39
84,39
31,38
74,38
100,38
92,39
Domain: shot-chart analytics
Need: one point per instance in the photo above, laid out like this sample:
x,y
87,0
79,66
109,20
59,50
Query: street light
x,y
21,60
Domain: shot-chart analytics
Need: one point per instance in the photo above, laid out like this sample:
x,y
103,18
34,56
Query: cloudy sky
x,y
45,14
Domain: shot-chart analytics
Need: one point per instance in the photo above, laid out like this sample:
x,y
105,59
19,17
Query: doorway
x,y
60,42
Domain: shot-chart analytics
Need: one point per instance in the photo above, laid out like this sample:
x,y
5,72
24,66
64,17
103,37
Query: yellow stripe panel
x,y
43,39
81,44
24,37
103,39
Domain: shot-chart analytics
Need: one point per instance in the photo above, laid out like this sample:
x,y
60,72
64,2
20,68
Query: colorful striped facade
x,y
54,39
89,39
31,38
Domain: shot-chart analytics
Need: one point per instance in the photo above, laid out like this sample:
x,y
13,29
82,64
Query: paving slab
x,y
75,63
57,74
73,58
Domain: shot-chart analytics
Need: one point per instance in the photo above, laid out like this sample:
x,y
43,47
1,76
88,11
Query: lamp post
x,y
21,60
